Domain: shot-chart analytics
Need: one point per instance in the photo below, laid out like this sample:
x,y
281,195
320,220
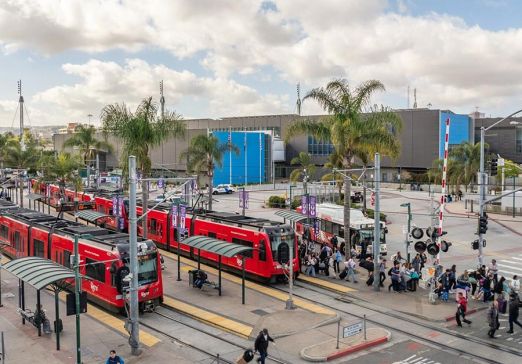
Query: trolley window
x,y
262,251
4,232
147,268
247,254
66,259
95,270
18,241
153,226
38,248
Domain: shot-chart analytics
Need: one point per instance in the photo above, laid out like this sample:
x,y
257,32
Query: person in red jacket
x,y
462,306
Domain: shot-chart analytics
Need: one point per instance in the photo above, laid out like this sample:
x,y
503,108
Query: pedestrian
x,y
397,258
492,317
337,260
395,274
493,269
462,305
310,265
499,287
261,345
514,285
382,272
416,263
514,305
424,259
334,241
350,266
114,359
342,247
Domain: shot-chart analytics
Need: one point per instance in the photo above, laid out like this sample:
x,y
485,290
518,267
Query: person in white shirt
x,y
350,266
515,284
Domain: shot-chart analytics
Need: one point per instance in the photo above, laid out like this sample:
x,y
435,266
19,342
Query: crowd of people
x,y
484,284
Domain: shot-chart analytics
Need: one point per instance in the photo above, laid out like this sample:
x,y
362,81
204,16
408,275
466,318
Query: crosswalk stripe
x,y
510,267
509,261
516,258
508,272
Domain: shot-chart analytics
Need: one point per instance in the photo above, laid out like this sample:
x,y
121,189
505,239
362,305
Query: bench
x,y
29,316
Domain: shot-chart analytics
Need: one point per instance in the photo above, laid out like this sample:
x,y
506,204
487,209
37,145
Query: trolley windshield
x,y
147,268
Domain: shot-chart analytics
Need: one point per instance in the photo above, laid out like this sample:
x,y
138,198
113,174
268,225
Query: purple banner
x,y
182,213
174,214
313,200
161,183
115,207
120,206
243,199
121,223
316,226
304,205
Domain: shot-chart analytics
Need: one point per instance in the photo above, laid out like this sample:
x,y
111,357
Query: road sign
x,y
304,205
352,330
313,201
501,162
372,199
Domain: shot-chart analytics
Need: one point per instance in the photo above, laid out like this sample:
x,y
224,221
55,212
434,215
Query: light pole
x,y
406,240
134,339
482,179
377,223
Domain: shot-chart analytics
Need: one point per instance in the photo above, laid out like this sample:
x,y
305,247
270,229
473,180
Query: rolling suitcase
x,y
502,305
369,282
343,274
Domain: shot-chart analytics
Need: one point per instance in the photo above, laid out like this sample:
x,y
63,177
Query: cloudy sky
x,y
222,58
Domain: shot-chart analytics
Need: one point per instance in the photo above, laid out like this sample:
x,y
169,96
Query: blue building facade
x,y
252,163
461,130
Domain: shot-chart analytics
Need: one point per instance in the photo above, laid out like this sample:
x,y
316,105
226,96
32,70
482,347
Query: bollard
x,y
338,329
2,347
364,327
218,359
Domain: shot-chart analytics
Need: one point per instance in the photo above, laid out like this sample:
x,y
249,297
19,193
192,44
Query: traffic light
x,y
475,244
483,224
494,166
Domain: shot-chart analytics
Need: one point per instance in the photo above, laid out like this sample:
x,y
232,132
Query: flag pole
x,y
230,154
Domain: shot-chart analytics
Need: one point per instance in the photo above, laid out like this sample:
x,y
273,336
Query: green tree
x,y
511,169
467,163
351,131
140,132
88,146
203,155
306,168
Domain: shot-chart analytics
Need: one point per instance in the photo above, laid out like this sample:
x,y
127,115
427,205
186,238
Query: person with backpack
x,y
350,269
395,275
514,306
462,305
114,359
382,272
261,345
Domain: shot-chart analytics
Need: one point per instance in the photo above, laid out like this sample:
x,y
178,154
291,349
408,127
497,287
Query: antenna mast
x,y
298,99
21,102
414,98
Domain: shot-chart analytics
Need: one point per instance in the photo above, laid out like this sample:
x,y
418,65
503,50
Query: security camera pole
x,y
482,178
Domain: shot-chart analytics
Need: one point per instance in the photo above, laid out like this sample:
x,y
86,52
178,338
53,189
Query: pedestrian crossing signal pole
x,y
377,222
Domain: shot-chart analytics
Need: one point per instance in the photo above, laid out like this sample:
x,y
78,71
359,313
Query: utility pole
x,y
290,301
97,170
162,105
406,238
21,102
377,223
77,288
347,200
133,237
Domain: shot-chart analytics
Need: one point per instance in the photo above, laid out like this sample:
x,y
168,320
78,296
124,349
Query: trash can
x,y
192,273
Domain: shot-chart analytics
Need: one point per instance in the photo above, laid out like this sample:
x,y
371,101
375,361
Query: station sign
x,y
352,330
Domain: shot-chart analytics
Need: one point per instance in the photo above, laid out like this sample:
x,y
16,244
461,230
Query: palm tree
x,y
203,155
88,146
467,156
306,168
139,132
351,132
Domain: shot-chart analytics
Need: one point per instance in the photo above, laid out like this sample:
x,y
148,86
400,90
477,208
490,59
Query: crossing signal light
x,y
483,224
494,166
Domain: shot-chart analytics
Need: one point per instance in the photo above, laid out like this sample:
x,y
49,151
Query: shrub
x,y
371,215
276,201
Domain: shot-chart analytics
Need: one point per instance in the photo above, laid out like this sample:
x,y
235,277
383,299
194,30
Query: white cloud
x,y
105,83
452,65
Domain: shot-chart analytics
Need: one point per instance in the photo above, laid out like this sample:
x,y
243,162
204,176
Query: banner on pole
x,y
174,213
115,206
313,201
304,205
243,199
161,183
182,213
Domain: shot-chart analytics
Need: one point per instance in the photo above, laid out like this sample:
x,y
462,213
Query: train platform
x,y
100,333
264,306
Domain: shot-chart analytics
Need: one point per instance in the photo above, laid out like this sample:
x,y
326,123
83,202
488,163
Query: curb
x,y
359,347
469,312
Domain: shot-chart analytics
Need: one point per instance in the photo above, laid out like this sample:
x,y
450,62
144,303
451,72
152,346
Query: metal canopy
x,y
216,246
291,215
91,215
35,196
38,272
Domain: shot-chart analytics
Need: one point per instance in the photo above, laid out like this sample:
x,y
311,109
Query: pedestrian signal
x,y
444,246
417,233
420,247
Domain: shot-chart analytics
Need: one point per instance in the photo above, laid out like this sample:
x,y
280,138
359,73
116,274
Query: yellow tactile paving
x,y
115,323
210,317
280,295
329,285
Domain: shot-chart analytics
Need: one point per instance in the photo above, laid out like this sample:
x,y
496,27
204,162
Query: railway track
x,y
207,338
392,324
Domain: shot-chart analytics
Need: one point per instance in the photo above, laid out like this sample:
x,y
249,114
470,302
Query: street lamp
x,y
406,240
482,177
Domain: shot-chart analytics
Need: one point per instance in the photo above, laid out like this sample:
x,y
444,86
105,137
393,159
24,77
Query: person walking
x,y
514,305
261,345
514,285
492,317
114,359
453,277
462,306
395,278
350,266
493,268
382,272
337,260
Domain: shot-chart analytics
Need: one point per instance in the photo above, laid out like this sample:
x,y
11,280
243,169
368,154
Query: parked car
x,y
223,188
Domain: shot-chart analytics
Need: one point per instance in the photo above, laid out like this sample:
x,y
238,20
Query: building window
x,y
316,147
519,141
